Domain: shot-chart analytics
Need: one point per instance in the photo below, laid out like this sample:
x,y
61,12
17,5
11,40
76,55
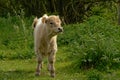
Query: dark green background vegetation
x,y
71,11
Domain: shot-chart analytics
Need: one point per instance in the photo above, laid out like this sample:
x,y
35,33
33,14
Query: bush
x,y
93,44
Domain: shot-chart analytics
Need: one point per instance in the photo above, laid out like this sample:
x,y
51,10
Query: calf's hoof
x,y
53,75
37,73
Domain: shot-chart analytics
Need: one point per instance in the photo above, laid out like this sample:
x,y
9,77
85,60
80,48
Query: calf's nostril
x,y
60,29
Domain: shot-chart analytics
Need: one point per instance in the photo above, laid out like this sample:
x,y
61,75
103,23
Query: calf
x,y
46,29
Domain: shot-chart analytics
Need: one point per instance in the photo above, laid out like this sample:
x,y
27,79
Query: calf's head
x,y
53,23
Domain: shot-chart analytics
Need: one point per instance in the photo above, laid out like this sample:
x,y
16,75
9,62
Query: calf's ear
x,y
44,19
35,22
58,16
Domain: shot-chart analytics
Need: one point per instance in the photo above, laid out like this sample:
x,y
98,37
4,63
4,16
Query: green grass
x,y
86,51
25,69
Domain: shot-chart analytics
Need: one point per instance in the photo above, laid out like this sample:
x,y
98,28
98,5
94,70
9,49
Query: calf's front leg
x,y
51,61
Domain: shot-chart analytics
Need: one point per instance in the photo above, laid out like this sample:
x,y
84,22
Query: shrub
x,y
93,44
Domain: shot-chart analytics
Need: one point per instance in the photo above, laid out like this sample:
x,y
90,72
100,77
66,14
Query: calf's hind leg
x,y
39,64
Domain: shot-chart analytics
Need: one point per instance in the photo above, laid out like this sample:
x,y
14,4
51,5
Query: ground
x,y
18,69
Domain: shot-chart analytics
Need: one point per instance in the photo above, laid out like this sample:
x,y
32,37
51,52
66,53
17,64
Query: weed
x,y
93,44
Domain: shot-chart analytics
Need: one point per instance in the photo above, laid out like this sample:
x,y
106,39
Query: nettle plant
x,y
94,44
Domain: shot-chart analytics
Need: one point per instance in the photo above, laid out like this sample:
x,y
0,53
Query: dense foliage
x,y
71,11
93,44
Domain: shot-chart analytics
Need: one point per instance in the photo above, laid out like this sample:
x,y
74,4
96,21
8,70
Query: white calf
x,y
46,29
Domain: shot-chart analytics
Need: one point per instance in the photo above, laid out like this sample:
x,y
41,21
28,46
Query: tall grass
x,y
16,37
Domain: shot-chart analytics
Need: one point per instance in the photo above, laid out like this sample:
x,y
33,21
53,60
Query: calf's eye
x,y
51,23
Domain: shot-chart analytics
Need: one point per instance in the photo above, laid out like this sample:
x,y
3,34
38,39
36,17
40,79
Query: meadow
x,y
86,51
